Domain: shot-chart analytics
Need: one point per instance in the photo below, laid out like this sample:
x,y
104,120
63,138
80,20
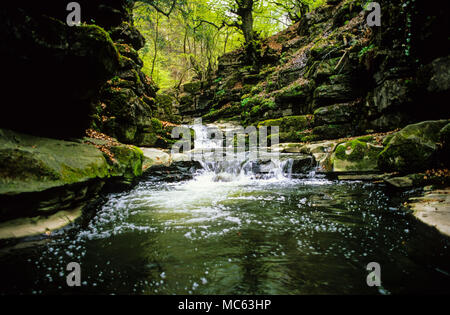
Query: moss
x,y
156,125
220,92
355,155
74,175
295,90
128,162
192,87
255,110
289,124
412,149
352,151
366,139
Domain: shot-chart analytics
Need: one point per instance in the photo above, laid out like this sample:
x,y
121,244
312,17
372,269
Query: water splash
x,y
219,165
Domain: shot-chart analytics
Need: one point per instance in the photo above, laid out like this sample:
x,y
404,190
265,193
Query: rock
x,y
65,68
192,87
436,75
288,123
355,155
302,163
444,138
434,209
365,177
332,131
391,120
321,151
334,93
42,174
334,114
292,163
412,149
155,157
392,93
126,33
23,227
30,164
289,126
401,182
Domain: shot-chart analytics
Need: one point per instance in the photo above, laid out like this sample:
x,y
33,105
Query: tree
x,y
244,10
184,38
242,19
296,9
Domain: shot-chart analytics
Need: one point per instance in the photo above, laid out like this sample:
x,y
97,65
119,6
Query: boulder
x,y
414,148
355,155
42,174
155,157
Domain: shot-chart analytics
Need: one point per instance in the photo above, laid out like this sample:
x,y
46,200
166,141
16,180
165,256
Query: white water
x,y
243,167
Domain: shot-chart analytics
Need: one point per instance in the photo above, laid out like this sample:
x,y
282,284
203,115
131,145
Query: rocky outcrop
x,y
415,148
353,79
41,176
62,80
52,72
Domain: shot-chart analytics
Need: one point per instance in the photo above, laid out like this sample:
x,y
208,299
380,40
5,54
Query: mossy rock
x,y
356,155
129,161
91,38
289,123
332,131
193,87
334,114
34,164
297,91
321,70
30,164
414,148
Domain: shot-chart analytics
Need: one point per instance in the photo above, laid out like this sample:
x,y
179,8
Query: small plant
x,y
245,101
220,92
365,50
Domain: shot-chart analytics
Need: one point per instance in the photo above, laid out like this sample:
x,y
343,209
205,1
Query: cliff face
x,y
335,75
61,80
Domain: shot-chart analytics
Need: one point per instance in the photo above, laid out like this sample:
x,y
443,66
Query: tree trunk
x,y
245,13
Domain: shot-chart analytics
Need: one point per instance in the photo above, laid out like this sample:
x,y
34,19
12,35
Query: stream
x,y
224,230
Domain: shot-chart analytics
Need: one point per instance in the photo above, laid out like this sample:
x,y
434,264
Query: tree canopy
x,y
184,38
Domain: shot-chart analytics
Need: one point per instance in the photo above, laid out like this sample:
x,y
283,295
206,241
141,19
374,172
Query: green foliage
x,y
186,44
220,92
365,50
245,101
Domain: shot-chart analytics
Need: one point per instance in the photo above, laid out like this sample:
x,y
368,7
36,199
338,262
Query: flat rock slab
x,y
23,227
154,157
434,209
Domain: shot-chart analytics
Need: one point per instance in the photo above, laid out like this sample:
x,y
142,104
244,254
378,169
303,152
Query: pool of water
x,y
239,236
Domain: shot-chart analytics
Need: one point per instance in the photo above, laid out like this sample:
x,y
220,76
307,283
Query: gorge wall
x,y
331,75
63,80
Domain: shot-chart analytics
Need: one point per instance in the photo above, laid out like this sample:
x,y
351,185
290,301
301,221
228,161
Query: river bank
x,y
50,181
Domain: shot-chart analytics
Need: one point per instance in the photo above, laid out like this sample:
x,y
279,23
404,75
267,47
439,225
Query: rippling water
x,y
239,236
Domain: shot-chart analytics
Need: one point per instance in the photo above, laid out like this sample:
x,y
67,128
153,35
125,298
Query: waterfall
x,y
209,151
